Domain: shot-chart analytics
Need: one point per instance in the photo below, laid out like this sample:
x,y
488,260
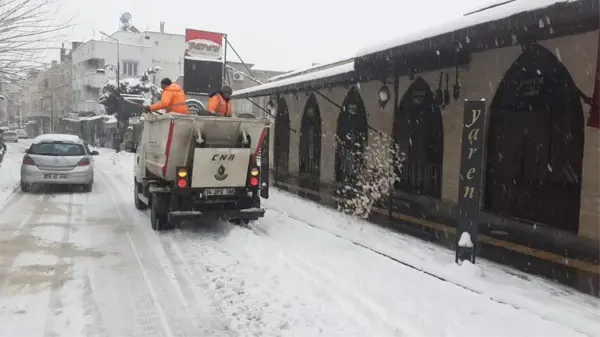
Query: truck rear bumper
x,y
244,214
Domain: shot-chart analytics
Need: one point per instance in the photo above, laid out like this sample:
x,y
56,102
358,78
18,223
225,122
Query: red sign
x,y
202,45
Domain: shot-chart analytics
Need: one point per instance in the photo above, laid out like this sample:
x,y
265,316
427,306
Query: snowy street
x,y
88,264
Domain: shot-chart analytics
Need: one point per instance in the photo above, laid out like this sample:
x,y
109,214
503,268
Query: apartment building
x,y
93,55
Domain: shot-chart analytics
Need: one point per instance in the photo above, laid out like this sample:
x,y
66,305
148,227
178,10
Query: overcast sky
x,y
273,34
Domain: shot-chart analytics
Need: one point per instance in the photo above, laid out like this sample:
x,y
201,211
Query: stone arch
x,y
282,141
352,138
535,143
310,145
419,133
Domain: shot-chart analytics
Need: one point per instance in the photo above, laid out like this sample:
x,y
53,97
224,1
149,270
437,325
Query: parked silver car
x,y
21,133
57,159
10,136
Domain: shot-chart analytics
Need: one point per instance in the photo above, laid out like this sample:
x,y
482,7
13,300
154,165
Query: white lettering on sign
x,y
203,49
472,136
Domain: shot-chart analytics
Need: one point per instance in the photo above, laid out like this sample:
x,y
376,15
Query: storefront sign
x,y
202,45
530,87
471,171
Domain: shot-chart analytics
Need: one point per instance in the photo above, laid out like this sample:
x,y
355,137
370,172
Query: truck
x,y
201,167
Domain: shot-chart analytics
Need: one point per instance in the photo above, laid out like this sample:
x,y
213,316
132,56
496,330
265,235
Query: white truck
x,y
199,167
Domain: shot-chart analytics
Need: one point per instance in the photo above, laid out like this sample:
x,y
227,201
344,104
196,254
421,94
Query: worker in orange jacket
x,y
220,103
172,98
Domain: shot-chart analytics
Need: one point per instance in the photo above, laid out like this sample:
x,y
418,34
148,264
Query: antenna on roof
x,y
125,24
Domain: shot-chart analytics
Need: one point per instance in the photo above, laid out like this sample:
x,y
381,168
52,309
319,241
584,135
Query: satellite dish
x,y
125,17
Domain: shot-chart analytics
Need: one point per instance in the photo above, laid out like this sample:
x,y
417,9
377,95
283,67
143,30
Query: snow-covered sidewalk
x,y
10,169
304,270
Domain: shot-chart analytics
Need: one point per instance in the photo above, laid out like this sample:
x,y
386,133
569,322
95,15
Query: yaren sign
x,y
471,174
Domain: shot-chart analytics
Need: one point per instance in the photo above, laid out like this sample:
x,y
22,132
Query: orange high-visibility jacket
x,y
172,100
218,105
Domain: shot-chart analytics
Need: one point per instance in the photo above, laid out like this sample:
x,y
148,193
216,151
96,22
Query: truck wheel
x,y
138,203
158,218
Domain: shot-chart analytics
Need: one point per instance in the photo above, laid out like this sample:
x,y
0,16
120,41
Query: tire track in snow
x,y
9,258
55,304
148,309
188,317
97,327
202,317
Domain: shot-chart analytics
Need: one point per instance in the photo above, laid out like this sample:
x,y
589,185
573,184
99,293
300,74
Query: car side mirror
x,y
95,153
27,151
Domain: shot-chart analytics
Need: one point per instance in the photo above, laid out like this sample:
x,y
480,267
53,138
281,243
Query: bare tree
x,y
27,28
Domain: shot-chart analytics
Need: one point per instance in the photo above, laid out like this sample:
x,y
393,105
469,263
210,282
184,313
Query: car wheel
x,y
88,187
138,203
25,187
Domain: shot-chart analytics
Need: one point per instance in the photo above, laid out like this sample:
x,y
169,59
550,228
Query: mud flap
x,y
264,167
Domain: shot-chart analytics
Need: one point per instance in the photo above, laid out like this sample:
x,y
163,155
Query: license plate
x,y
219,191
55,176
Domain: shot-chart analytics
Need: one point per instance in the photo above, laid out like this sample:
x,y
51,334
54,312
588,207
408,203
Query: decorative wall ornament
x,y
270,106
456,86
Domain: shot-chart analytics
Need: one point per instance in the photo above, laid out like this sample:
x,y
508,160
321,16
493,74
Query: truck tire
x,y
138,203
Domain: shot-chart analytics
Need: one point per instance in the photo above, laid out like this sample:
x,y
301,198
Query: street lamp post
x,y
120,123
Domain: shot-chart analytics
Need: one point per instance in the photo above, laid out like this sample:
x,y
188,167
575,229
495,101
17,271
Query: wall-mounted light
x,y
270,105
383,96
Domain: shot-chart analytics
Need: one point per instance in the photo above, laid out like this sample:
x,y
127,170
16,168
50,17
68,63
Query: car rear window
x,y
10,133
57,149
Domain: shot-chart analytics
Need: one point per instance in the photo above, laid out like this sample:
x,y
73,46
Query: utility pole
x,y
51,112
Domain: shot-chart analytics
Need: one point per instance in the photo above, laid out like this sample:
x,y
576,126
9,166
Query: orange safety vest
x,y
173,100
218,105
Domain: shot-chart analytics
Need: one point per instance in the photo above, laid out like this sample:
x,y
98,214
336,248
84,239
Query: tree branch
x,y
27,28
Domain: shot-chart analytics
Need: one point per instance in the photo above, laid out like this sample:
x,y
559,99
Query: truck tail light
x,y
27,160
84,162
254,177
182,177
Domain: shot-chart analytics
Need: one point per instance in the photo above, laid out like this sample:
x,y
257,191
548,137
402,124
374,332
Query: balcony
x,y
93,80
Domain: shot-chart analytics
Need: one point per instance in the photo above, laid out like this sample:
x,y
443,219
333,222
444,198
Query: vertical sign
x,y
203,62
471,179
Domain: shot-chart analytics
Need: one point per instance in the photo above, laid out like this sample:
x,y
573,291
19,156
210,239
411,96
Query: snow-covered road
x,y
77,264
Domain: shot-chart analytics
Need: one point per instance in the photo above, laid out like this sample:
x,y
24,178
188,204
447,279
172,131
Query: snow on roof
x,y
491,14
56,137
309,69
327,72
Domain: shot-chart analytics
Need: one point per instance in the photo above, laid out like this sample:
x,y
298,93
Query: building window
x,y
130,68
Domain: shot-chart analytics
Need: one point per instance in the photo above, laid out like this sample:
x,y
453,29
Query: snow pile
x,y
533,295
10,172
375,178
